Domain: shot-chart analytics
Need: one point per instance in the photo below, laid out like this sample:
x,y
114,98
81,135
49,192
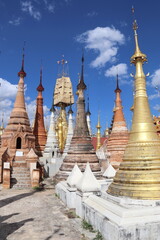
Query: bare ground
x,y
38,215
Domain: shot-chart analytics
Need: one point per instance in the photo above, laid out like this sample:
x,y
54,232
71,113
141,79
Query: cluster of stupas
x,y
113,185
67,142
125,206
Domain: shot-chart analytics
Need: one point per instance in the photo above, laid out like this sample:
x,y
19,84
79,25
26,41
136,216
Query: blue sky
x,y
63,27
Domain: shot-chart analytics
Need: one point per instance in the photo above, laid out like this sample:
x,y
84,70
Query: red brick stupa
x,y
16,142
39,127
118,138
81,149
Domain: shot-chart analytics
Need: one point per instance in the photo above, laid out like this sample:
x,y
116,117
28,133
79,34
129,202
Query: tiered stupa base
x,y
81,151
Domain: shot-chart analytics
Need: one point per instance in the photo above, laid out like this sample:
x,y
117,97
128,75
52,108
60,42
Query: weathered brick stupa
x,y
118,138
81,149
17,139
39,127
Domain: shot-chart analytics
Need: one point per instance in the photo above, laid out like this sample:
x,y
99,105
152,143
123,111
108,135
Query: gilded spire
x,y
139,173
81,85
98,134
138,54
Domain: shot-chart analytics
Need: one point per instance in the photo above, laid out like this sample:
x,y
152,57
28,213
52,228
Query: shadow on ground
x,y
8,228
6,201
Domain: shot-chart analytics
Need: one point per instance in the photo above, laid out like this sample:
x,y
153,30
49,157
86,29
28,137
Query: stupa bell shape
x,y
18,133
118,137
17,140
81,149
139,173
39,127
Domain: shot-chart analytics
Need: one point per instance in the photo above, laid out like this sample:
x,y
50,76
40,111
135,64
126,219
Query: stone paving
x,y
38,215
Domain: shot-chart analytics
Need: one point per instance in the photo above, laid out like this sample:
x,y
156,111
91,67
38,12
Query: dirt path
x,y
37,215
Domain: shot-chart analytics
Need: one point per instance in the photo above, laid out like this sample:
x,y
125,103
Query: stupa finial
x,y
88,110
81,85
40,88
138,54
117,85
22,73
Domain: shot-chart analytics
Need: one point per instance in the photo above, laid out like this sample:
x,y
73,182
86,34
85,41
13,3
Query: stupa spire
x,y
22,73
117,85
98,133
20,101
118,137
18,134
81,149
39,127
81,85
40,87
81,127
88,110
118,115
139,173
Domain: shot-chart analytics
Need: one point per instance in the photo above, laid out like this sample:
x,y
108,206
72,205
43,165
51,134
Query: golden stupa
x,y
63,97
98,145
139,173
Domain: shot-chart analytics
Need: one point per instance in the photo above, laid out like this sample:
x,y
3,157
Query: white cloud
x,y
92,14
123,24
67,1
28,7
50,5
27,98
7,90
120,68
103,40
15,22
157,107
154,96
155,78
8,93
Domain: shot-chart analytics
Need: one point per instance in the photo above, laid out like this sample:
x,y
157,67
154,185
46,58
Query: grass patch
x,y
38,188
98,236
56,195
87,226
71,213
